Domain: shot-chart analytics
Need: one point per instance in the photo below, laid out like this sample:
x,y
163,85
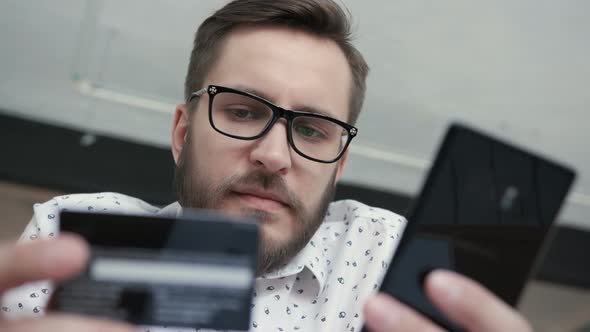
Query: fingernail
x,y
445,284
382,313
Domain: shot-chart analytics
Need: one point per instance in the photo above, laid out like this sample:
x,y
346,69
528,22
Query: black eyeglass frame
x,y
278,112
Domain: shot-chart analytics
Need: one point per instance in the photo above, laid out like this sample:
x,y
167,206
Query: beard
x,y
195,191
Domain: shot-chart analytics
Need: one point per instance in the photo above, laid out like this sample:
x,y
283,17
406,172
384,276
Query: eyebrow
x,y
263,95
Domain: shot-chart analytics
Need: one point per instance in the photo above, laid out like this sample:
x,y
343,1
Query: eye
x,y
243,113
310,133
306,131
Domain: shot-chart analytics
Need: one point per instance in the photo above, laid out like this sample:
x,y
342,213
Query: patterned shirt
x,y
323,288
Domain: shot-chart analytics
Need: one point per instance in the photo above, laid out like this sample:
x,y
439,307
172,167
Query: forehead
x,y
294,69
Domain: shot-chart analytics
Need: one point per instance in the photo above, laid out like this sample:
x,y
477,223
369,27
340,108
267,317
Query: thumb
x,y
54,259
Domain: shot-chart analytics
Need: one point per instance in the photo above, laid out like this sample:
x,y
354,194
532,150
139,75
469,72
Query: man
x,y
273,90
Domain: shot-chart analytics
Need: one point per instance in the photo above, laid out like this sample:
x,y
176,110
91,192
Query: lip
x,y
265,200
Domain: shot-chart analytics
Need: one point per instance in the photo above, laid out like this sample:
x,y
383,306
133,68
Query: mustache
x,y
263,181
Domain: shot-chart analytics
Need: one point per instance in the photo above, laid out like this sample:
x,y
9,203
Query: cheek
x,y
216,156
311,183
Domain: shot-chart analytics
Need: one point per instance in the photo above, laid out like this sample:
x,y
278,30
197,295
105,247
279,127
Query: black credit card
x,y
194,271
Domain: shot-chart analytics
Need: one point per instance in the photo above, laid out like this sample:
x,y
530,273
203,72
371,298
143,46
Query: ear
x,y
341,164
180,130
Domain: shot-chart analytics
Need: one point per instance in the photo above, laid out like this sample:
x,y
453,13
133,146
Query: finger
x,y
65,323
470,305
383,313
53,259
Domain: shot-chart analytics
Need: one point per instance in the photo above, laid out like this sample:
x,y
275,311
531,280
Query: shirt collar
x,y
311,257
171,210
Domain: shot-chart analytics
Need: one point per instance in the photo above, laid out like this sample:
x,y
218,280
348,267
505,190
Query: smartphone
x,y
485,211
196,270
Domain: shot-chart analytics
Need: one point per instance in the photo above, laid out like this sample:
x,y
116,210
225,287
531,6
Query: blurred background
x,y
88,90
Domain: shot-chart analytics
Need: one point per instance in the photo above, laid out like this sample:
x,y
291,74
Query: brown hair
x,y
323,18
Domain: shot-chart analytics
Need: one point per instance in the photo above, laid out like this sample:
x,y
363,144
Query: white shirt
x,y
323,288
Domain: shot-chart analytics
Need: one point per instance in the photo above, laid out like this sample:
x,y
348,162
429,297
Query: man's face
x,y
265,178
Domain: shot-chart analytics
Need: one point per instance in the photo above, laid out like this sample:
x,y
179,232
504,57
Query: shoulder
x,y
360,241
349,221
357,212
46,215
97,202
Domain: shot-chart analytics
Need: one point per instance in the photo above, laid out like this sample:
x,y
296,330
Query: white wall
x,y
515,68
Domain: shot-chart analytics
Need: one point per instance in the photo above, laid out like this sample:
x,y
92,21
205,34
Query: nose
x,y
272,151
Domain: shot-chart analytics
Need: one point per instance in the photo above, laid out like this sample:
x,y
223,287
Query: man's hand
x,y
55,259
461,299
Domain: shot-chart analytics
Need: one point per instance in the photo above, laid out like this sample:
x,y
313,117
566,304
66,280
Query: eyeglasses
x,y
245,116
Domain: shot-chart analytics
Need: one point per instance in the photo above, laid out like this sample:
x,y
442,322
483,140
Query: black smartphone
x,y
485,211
196,270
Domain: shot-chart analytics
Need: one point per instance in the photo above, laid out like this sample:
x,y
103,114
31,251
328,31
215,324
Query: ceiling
x,y
518,69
